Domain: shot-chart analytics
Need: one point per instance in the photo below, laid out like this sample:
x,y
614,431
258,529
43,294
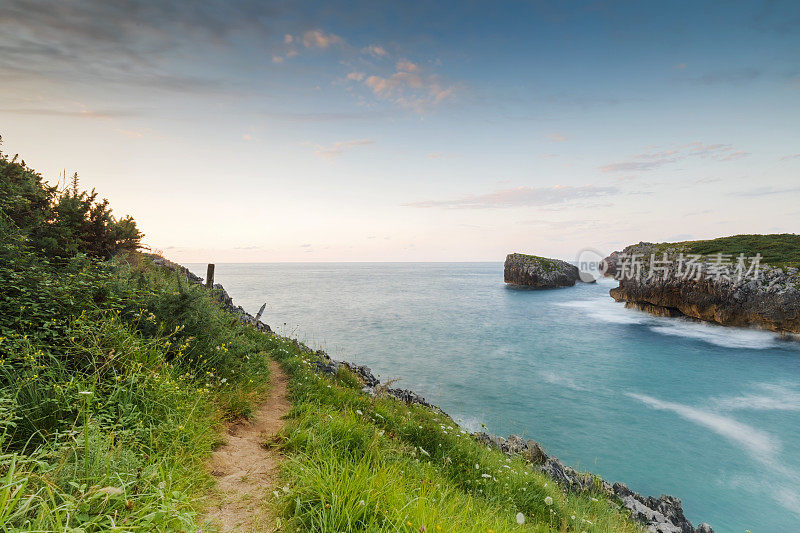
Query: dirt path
x,y
246,472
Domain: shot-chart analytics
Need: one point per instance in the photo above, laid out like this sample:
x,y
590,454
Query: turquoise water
x,y
706,413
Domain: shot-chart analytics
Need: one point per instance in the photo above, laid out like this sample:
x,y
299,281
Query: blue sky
x,y
358,131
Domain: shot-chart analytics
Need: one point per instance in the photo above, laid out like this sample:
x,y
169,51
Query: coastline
x,y
663,514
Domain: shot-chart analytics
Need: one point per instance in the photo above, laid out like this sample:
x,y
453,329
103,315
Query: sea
x,y
707,413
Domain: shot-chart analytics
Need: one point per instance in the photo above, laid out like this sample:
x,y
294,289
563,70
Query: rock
x,y
772,301
659,515
539,272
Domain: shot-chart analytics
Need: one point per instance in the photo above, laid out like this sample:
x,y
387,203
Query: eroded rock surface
x,y
768,299
539,272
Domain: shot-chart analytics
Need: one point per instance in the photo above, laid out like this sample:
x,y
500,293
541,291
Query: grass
x,y
548,265
110,427
358,463
778,250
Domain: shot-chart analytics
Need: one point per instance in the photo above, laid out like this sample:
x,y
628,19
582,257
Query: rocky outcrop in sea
x,y
539,272
737,292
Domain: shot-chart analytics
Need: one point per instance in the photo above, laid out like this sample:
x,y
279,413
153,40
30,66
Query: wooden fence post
x,y
210,276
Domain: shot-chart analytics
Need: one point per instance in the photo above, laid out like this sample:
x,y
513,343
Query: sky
x,y
247,131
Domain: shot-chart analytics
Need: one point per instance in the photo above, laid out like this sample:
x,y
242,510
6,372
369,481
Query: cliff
x,y
539,272
669,279
657,515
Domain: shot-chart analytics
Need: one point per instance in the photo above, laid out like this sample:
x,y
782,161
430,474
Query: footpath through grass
x,y
358,463
115,379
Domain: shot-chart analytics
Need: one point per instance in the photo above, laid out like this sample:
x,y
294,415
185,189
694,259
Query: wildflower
x,y
548,501
359,412
477,466
487,476
327,506
361,503
520,518
85,392
422,529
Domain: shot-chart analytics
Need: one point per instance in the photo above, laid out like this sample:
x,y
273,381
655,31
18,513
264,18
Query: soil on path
x,y
246,471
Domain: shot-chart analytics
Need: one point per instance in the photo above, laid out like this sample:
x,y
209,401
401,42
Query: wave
x,y
725,336
769,397
607,310
757,442
560,380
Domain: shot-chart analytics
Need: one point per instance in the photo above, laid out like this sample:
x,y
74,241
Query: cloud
x,y
408,85
679,66
556,137
322,117
790,156
731,77
319,39
405,65
410,89
130,43
131,133
83,112
520,197
338,148
766,191
375,50
654,158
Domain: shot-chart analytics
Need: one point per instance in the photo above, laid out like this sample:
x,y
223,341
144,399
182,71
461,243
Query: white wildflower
x,y
548,501
520,518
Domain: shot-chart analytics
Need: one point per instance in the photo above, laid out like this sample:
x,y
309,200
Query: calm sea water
x,y
702,412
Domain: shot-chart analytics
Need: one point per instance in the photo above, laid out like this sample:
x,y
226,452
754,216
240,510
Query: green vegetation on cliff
x,y
548,265
116,377
361,463
779,249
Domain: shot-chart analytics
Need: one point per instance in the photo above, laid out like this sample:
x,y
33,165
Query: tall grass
x,y
375,464
108,426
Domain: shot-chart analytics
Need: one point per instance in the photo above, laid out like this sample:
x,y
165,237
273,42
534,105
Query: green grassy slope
x,y
779,250
116,377
358,463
